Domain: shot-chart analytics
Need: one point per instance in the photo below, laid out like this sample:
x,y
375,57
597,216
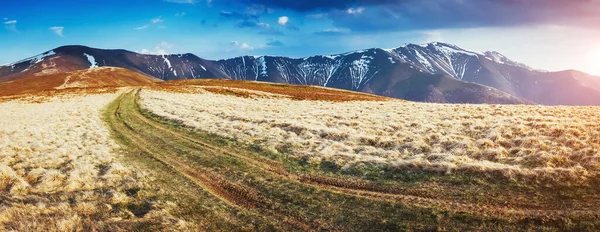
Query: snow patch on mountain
x,y
262,65
423,61
359,71
40,58
168,62
331,57
34,59
496,57
450,50
92,60
501,59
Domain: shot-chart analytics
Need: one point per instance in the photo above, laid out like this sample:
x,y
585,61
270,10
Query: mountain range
x,y
434,72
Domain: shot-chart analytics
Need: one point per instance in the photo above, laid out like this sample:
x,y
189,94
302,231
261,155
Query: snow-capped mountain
x,y
437,72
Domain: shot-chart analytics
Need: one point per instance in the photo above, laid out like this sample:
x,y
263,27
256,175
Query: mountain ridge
x,y
430,69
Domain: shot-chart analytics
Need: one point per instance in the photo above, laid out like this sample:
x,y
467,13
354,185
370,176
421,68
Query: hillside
x,y
89,78
434,72
212,154
383,165
358,71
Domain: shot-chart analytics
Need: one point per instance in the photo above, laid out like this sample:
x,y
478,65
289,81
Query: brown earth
x,y
92,78
298,92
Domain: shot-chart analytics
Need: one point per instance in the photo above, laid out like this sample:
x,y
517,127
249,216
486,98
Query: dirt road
x,y
265,194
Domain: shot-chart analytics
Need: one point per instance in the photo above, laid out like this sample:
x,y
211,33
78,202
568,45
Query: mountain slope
x,y
373,71
73,58
90,78
495,70
436,72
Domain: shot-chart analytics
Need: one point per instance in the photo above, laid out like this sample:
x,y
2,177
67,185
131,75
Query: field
x,y
533,141
215,155
74,81
59,169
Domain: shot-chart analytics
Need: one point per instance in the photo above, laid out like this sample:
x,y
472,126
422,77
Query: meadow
x,y
556,143
223,155
60,168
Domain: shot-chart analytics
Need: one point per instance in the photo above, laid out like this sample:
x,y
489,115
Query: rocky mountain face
x,y
435,72
495,70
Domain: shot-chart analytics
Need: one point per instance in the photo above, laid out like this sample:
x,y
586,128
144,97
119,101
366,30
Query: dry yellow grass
x,y
555,142
297,92
90,78
58,169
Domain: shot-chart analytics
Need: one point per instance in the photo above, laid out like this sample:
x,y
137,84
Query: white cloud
x,y
432,36
245,46
181,1
317,16
142,27
263,25
283,20
180,14
160,49
339,30
58,31
10,25
152,21
157,20
355,11
209,3
240,46
5,19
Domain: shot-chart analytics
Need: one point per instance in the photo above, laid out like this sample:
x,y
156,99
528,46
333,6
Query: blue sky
x,y
546,34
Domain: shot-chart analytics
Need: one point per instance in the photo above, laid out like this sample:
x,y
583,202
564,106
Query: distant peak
x,y
502,59
493,54
34,59
180,55
437,47
440,44
72,47
431,44
85,49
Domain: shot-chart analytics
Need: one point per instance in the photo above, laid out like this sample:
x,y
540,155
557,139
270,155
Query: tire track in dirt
x,y
235,194
242,197
372,191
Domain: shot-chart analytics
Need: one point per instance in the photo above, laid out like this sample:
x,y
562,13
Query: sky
x,y
550,35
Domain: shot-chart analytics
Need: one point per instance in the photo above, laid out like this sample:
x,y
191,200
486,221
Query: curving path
x,y
251,182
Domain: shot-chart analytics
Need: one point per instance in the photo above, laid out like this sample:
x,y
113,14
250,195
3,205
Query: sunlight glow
x,y
592,60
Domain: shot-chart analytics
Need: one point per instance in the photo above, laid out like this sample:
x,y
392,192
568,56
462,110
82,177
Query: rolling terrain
x,y
90,78
116,150
434,72
280,184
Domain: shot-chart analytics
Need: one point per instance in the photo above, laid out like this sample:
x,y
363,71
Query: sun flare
x,y
592,60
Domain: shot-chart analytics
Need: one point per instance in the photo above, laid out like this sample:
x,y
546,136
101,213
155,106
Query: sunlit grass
x,y
534,141
59,170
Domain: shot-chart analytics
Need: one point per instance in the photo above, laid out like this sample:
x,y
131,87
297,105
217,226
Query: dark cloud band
x,y
431,14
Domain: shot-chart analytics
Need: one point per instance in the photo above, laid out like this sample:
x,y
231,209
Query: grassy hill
x,y
237,155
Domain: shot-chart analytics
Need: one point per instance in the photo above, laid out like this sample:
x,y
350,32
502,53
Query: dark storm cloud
x,y
435,14
251,18
310,5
